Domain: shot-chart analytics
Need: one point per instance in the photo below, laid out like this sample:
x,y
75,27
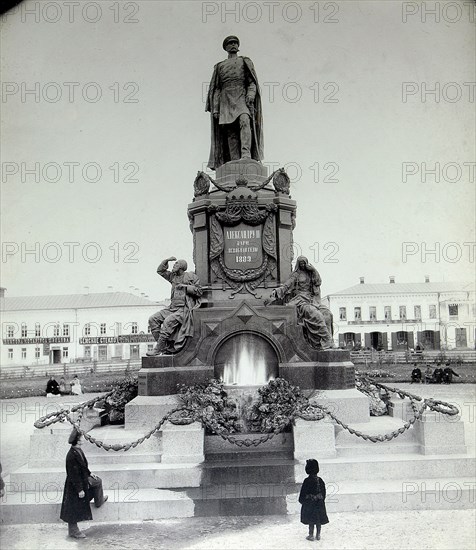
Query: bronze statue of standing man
x,y
235,105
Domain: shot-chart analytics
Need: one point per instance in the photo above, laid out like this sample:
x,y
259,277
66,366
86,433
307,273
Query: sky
x,y
369,105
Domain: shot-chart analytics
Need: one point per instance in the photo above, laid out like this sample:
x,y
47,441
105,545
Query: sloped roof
x,y
404,288
74,301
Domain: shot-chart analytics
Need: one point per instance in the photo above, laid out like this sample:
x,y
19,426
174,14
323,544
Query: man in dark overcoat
x,y
52,386
80,487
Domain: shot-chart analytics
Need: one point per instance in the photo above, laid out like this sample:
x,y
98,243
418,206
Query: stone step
x,y
392,467
371,449
49,446
250,470
247,499
262,456
114,476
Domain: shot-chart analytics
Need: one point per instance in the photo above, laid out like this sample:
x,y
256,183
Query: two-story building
x,y
38,330
400,316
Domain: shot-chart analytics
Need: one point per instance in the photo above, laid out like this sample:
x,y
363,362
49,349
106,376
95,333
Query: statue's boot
x,y
327,344
160,348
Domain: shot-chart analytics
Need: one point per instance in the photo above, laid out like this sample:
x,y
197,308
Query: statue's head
x,y
301,263
179,266
231,44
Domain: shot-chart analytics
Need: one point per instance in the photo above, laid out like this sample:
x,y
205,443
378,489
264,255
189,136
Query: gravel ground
x,y
432,530
436,529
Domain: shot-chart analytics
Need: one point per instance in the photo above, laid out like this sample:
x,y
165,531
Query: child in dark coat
x,y
312,497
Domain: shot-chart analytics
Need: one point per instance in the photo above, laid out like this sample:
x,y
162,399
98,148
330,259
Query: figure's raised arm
x,y
162,270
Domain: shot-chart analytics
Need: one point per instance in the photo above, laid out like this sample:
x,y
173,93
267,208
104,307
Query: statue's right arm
x,y
210,104
216,93
162,269
216,102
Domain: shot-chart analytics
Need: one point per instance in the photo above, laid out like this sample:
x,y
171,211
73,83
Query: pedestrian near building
x,y
312,497
76,388
62,387
81,486
52,387
438,374
428,375
416,374
448,374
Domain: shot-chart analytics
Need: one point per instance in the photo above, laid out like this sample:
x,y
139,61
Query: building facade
x,y
402,316
39,330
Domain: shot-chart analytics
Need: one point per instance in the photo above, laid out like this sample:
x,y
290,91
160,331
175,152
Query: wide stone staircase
x,y
143,483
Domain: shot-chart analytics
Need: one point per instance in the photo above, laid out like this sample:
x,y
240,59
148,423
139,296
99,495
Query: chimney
x,y
2,292
362,280
427,278
86,290
392,279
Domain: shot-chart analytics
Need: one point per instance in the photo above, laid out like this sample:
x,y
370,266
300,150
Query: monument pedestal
x,y
250,169
163,375
182,444
350,406
329,370
440,434
314,439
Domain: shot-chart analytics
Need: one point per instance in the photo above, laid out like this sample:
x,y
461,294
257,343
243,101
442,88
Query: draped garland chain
x,y
309,411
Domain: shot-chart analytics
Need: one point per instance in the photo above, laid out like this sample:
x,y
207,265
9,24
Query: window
x,y
24,330
37,353
102,353
357,313
87,329
37,329
56,330
342,314
432,312
87,352
65,353
23,353
150,348
388,313
10,331
103,328
10,353
403,312
453,310
134,329
65,330
417,311
373,313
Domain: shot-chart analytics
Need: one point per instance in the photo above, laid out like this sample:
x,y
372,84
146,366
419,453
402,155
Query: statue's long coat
x,y
219,153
